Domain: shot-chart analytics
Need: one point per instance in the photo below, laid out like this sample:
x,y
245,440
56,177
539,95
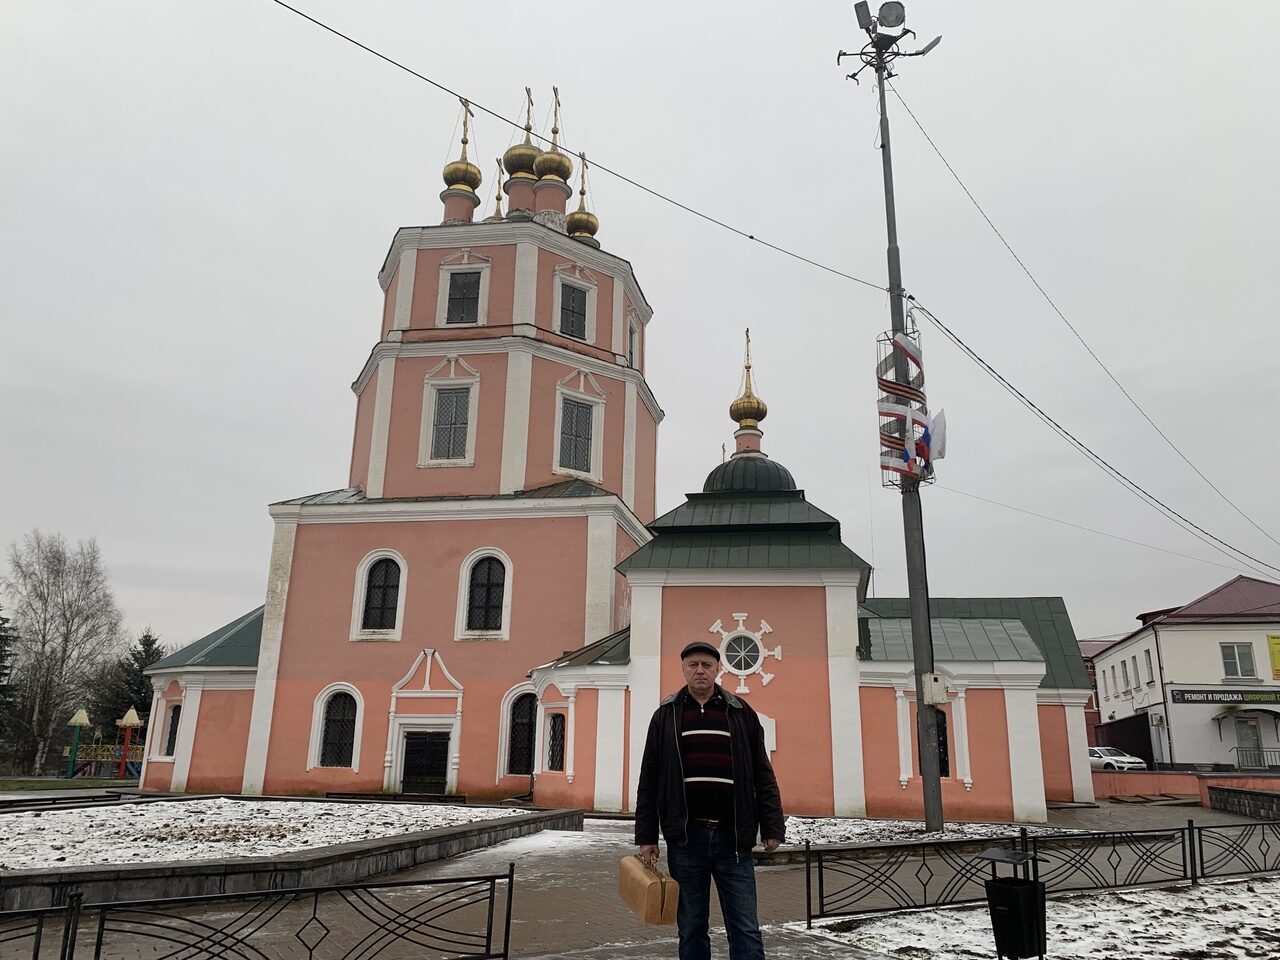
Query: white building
x,y
1198,685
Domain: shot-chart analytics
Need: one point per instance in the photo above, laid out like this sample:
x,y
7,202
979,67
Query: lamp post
x,y
130,721
77,723
885,30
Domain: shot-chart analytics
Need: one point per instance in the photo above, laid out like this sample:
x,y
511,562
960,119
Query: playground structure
x,y
95,760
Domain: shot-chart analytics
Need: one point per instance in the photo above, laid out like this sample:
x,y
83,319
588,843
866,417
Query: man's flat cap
x,y
700,646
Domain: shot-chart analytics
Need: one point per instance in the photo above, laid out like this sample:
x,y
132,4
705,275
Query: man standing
x,y
707,781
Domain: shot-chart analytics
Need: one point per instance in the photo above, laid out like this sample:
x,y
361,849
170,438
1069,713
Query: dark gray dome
x,y
749,475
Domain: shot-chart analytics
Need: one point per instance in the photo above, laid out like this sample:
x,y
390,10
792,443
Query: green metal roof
x,y
759,550
702,512
613,650
749,474
955,639
234,645
1045,620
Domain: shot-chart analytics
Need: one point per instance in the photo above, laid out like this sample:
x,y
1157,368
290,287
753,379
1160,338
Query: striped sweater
x,y
708,763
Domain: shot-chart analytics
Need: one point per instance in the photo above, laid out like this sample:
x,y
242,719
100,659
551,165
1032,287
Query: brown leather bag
x,y
651,894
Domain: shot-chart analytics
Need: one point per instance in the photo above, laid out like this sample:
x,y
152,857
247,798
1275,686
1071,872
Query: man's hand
x,y
648,852
771,845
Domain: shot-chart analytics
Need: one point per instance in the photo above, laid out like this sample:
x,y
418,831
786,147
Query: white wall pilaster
x,y
515,419
602,553
381,427
264,687
526,283
186,741
611,719
1026,769
629,447
1078,748
644,673
848,787
903,713
405,274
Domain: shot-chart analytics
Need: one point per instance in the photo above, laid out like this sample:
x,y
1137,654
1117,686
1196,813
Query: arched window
x,y
555,743
520,735
339,730
381,597
171,735
485,594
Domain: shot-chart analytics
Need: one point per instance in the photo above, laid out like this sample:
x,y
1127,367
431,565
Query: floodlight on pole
x,y
863,12
892,14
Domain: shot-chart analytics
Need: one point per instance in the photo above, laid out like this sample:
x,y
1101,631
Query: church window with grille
x,y
339,731
520,737
555,742
449,424
485,594
171,734
464,298
382,595
573,311
575,435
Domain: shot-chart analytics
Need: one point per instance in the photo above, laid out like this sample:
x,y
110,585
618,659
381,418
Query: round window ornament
x,y
742,652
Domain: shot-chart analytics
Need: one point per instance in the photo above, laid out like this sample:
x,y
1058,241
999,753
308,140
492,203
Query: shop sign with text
x,y
1225,696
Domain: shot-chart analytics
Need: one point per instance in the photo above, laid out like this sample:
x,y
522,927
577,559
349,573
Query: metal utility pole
x,y
879,54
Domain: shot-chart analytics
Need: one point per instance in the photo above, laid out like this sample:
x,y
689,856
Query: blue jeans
x,y
710,854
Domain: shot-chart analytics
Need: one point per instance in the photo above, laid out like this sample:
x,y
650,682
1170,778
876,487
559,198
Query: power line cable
x,y
1077,526
595,165
1160,506
1070,326
1134,487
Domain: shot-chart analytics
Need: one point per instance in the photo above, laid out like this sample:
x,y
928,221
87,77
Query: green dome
x,y
749,475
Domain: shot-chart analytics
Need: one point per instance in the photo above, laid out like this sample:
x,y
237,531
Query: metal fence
x,y
445,919
852,880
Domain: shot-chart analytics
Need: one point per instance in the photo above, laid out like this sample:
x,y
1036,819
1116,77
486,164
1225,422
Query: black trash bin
x,y
1017,916
1016,905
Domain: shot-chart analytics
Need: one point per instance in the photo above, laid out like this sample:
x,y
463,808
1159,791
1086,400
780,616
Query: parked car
x,y
1109,758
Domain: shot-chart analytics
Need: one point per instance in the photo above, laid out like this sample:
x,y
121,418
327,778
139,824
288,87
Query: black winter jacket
x,y
660,799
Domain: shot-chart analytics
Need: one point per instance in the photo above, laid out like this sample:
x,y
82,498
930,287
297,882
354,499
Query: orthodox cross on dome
x,y
462,174
497,196
742,651
748,410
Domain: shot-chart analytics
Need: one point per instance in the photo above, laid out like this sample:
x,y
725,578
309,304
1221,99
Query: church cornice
x,y
570,358
511,232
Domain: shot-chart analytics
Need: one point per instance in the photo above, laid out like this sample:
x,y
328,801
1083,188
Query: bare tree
x,y
67,622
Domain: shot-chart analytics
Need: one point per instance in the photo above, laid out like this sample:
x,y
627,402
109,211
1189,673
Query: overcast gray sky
x,y
195,199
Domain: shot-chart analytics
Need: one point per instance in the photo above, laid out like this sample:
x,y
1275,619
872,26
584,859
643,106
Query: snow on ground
x,y
833,830
213,829
1234,920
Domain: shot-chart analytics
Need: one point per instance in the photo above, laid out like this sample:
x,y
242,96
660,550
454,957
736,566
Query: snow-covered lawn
x,y
213,829
831,830
1235,920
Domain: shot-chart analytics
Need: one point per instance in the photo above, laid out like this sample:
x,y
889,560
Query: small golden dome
x,y
462,174
552,164
748,410
582,222
521,157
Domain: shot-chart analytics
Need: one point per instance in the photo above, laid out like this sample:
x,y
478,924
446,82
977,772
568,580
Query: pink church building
x,y
491,606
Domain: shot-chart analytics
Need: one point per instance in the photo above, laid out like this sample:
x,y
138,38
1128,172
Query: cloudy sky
x,y
195,199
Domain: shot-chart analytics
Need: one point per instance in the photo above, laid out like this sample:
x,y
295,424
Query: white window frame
x,y
548,719
167,724
460,631
316,742
633,344
464,261
583,279
504,728
1124,674
439,378
1151,674
586,390
1235,648
1105,694
358,634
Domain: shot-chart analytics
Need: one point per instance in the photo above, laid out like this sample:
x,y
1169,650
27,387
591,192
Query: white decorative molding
x,y
570,735
280,569
358,633
445,375
960,730
515,232
602,557
504,725
521,340
629,446
316,740
745,575
406,272
410,510
749,643
381,427
424,665
464,261
584,388
211,678
903,708
583,279
515,420
460,630
185,747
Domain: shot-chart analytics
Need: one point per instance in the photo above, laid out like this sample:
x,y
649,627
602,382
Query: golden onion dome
x,y
582,222
520,157
462,174
552,164
748,410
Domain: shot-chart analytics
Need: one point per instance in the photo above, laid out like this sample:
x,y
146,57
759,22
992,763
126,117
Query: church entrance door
x,y
426,762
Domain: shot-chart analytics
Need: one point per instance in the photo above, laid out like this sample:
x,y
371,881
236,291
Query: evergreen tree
x,y
122,684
